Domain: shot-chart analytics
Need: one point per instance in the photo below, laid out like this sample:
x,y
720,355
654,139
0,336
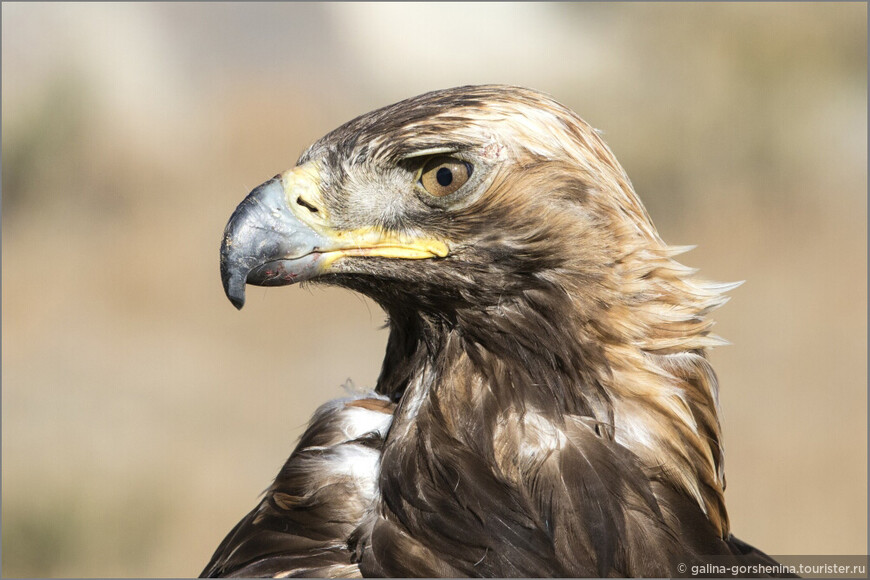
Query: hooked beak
x,y
265,243
280,234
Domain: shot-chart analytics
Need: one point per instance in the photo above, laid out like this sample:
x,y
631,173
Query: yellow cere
x,y
304,182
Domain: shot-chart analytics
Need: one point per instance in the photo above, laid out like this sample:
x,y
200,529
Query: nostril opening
x,y
306,205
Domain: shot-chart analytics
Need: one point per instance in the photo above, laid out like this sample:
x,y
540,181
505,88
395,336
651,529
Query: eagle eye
x,y
443,175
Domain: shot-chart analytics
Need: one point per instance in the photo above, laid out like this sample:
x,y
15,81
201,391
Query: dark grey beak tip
x,y
234,282
238,300
233,275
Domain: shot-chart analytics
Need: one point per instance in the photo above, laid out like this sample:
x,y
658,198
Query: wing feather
x,y
302,525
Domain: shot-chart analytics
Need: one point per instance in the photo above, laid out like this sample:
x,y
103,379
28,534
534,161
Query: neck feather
x,y
636,366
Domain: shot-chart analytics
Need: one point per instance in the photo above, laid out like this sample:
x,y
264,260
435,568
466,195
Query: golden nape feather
x,y
545,405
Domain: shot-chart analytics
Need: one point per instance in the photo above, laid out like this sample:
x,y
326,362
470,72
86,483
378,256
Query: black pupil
x,y
444,177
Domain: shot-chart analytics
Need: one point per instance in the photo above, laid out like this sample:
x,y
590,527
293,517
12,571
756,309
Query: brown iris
x,y
443,175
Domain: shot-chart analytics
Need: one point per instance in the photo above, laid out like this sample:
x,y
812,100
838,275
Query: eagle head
x,y
457,199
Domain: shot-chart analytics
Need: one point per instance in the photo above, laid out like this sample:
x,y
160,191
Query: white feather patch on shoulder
x,y
358,421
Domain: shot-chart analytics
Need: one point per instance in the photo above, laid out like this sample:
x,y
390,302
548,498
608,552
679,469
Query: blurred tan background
x,y
142,414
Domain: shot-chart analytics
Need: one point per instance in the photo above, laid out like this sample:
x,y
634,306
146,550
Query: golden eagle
x,y
545,405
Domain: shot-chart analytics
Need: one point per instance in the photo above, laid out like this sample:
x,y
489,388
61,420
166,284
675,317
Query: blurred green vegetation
x,y
49,127
59,533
